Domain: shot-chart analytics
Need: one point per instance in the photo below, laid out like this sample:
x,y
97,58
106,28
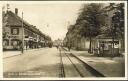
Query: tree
x,y
93,18
118,23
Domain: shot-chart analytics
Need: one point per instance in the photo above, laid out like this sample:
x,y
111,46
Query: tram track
x,y
62,72
82,68
76,68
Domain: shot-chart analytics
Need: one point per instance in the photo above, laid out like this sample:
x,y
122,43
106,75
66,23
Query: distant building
x,y
58,42
12,33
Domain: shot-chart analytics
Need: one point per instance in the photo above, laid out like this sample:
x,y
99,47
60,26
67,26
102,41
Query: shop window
x,y
5,42
14,42
14,31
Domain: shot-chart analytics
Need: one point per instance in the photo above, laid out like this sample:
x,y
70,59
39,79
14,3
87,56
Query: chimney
x,y
16,11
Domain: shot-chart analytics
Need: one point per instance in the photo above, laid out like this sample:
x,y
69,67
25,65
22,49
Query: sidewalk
x,y
7,54
109,67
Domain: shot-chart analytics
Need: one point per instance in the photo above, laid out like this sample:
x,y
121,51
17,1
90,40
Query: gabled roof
x,y
12,20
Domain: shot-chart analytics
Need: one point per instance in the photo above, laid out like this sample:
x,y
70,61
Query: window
x,y
5,42
14,31
14,42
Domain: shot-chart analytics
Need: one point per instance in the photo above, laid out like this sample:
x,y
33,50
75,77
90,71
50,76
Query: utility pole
x,y
22,50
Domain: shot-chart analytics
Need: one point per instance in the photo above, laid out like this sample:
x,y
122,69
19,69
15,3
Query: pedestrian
x,y
59,47
69,47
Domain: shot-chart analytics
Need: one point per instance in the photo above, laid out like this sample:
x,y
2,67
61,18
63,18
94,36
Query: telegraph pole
x,y
22,50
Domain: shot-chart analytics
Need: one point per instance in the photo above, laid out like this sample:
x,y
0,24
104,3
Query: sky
x,y
51,19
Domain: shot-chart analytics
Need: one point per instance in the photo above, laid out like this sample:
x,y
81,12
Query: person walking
x,y
69,47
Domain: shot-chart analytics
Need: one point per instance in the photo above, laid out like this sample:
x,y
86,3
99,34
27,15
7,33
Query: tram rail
x,y
93,71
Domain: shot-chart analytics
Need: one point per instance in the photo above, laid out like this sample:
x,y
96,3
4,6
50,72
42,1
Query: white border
x,y
65,2
126,40
1,53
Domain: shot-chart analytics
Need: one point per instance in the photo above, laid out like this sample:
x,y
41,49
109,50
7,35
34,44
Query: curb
x,y
11,56
94,69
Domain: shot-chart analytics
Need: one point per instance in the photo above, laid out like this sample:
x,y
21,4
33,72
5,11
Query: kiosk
x,y
106,46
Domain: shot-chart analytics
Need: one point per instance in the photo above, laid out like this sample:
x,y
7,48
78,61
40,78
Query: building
x,y
58,42
75,41
79,42
16,30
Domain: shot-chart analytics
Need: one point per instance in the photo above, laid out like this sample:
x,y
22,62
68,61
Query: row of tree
x,y
91,22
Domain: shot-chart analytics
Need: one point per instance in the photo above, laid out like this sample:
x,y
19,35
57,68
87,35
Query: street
x,y
44,60
53,62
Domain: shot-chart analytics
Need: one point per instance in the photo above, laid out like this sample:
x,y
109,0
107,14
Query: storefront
x,y
15,43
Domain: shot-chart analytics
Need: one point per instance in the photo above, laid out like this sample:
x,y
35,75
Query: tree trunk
x,y
90,46
84,44
77,44
112,46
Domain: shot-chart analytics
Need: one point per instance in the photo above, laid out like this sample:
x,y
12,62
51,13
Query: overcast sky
x,y
51,19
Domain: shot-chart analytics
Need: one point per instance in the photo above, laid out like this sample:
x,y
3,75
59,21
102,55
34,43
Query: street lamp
x,y
22,49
